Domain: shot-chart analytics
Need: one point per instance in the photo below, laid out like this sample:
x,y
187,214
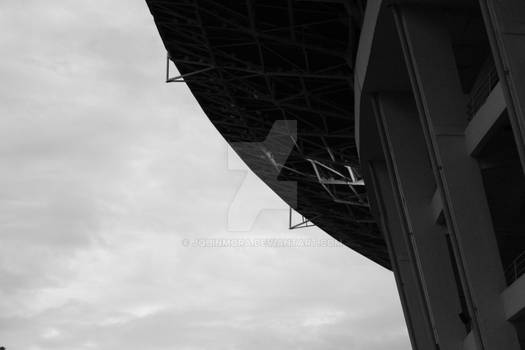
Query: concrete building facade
x,y
439,112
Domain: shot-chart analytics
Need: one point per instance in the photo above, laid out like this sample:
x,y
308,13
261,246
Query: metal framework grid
x,y
252,63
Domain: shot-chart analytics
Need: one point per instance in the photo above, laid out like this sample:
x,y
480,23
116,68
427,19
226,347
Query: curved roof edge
x,y
276,79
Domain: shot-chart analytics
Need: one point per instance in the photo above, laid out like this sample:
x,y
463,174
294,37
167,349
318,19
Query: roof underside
x,y
275,78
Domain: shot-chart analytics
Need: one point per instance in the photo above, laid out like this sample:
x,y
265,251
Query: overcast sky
x,y
105,171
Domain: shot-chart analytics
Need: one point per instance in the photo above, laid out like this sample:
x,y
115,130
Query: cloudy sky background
x,y
105,170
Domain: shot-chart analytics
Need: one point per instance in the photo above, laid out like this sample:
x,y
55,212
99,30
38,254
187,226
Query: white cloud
x,y
105,170
51,333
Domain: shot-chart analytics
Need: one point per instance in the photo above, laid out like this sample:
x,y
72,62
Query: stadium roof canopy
x,y
275,77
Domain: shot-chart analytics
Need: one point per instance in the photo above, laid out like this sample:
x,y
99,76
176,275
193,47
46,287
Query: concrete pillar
x,y
403,265
413,181
440,102
505,26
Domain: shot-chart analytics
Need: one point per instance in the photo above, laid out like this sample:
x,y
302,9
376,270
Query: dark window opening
x,y
504,183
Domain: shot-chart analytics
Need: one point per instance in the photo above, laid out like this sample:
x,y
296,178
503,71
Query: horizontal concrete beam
x,y
514,299
480,128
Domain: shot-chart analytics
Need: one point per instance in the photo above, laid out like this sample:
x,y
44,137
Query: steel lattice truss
x,y
275,78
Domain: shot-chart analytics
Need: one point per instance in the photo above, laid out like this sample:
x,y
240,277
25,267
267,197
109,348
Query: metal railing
x,y
486,81
516,269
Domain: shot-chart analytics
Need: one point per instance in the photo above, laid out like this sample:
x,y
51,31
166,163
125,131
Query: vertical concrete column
x,y
505,26
413,182
440,101
408,285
